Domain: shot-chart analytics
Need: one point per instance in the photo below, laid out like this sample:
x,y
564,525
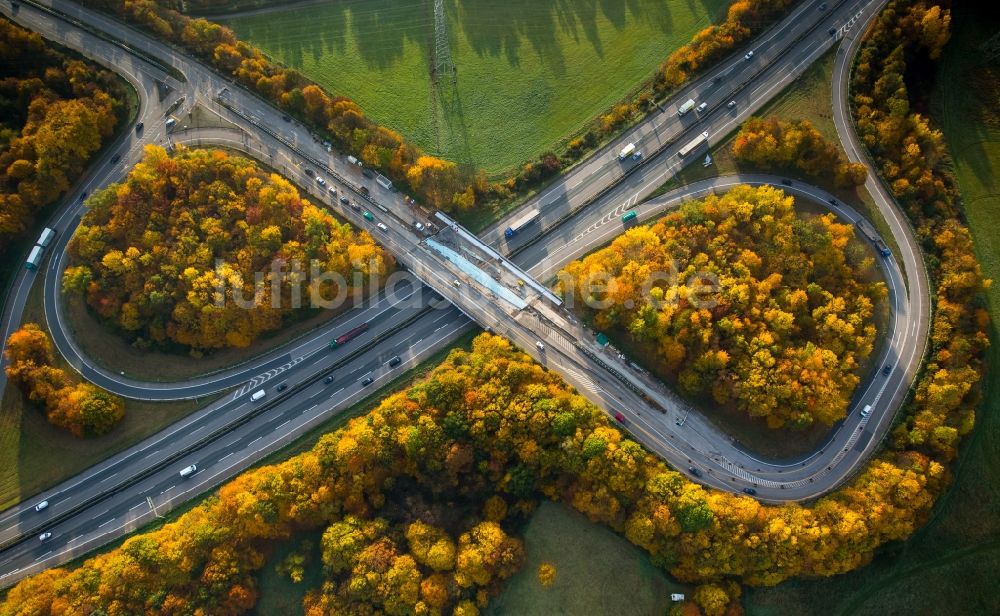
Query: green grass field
x,y
529,74
598,572
949,566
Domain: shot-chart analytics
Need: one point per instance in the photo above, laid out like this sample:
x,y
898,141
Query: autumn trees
x,y
773,143
715,41
56,111
202,249
80,407
783,335
912,157
438,183
415,503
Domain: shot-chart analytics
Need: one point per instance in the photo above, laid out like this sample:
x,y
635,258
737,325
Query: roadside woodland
x,y
198,249
787,326
416,502
775,144
79,407
56,111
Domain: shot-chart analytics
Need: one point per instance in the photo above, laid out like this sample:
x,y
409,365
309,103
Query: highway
x,y
598,192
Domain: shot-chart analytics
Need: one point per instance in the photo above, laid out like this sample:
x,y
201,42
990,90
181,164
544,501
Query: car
x,y
364,190
282,386
42,505
309,172
365,382
286,118
786,182
395,361
717,79
116,158
368,173
694,471
328,379
368,216
456,283
833,202
749,56
541,347
333,191
345,200
865,412
83,195
887,369
320,181
381,227
620,418
731,104
701,108
832,31
44,536
355,207
419,226
187,471
139,127
749,491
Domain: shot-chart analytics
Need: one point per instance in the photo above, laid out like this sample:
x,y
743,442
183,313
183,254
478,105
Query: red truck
x,y
348,336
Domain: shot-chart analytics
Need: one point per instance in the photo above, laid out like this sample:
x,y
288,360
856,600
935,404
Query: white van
x,y
257,395
187,471
865,412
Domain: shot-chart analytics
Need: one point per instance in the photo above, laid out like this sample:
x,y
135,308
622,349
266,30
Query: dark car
x,y
833,202
367,381
138,128
345,200
328,379
694,471
749,491
282,386
395,361
887,370
368,174
786,182
286,118
83,195
116,158
364,191
832,31
309,172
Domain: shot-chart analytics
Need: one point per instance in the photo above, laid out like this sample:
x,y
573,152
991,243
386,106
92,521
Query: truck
x,y
46,237
627,151
693,145
519,223
686,107
869,232
34,258
348,336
